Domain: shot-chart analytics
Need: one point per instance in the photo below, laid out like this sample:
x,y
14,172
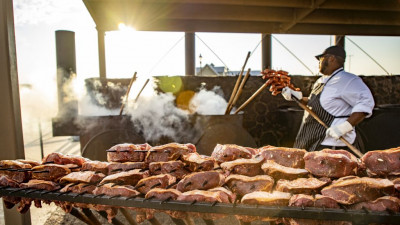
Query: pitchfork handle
x,y
350,146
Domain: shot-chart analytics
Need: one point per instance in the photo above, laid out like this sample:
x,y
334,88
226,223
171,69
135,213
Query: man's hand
x,y
339,130
287,94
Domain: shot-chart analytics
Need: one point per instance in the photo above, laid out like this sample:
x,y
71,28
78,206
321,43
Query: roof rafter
x,y
299,15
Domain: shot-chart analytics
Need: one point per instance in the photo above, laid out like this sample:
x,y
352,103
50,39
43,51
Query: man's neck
x,y
334,70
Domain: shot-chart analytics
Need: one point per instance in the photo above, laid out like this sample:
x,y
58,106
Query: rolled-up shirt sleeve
x,y
358,95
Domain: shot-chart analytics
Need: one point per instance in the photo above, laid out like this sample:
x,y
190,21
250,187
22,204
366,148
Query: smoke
x,y
157,117
38,105
208,102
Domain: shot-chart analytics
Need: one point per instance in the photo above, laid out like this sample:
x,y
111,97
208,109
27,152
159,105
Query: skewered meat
x,y
382,162
247,167
203,196
241,185
130,177
50,172
128,153
301,185
278,171
201,181
301,200
111,189
385,203
14,164
78,188
322,201
30,162
289,157
351,190
148,183
88,177
229,152
19,177
328,163
225,194
200,196
274,198
396,182
41,184
96,166
163,194
58,158
278,80
5,181
196,162
296,221
319,201
169,152
174,168
15,170
115,167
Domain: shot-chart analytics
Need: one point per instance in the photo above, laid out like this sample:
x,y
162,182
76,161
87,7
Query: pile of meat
x,y
272,176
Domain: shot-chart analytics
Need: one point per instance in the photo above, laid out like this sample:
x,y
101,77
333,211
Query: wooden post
x,y
339,40
266,51
190,51
102,53
10,112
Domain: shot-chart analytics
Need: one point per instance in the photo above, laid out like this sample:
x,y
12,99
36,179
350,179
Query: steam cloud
x,y
156,116
209,102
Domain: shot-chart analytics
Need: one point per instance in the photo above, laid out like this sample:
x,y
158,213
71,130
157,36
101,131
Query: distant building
x,y
212,70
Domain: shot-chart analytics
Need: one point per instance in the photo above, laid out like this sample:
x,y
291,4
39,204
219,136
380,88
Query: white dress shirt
x,y
343,95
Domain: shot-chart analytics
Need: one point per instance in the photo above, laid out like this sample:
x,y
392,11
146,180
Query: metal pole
x,y
10,114
339,40
266,51
41,140
190,46
66,71
102,52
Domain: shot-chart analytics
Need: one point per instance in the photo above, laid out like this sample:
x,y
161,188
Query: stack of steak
x,y
272,176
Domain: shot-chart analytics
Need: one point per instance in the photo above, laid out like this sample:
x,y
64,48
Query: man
x,y
340,99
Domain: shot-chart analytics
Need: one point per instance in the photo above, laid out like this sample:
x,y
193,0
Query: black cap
x,y
333,50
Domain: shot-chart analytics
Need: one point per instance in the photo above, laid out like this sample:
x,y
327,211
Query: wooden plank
x,y
10,112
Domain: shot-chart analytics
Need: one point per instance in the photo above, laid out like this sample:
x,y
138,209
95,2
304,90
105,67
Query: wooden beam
x,y
299,15
375,5
271,3
231,13
339,29
370,5
11,136
324,16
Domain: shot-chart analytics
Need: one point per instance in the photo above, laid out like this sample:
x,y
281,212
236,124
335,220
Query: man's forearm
x,y
356,118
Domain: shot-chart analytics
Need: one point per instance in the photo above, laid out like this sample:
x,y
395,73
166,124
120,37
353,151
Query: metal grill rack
x,y
357,217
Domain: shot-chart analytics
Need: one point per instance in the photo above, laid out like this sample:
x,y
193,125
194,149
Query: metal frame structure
x,y
357,217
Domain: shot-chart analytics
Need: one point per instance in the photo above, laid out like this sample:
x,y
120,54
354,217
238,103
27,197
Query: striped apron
x,y
312,133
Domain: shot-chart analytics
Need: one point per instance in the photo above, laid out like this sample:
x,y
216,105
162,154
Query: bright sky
x,y
37,20
162,53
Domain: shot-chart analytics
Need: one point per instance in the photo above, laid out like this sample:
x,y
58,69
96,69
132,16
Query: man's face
x,y
324,64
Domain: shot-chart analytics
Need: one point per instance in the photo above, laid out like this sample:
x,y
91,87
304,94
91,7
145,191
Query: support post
x,y
66,73
266,51
102,53
190,47
10,112
339,40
